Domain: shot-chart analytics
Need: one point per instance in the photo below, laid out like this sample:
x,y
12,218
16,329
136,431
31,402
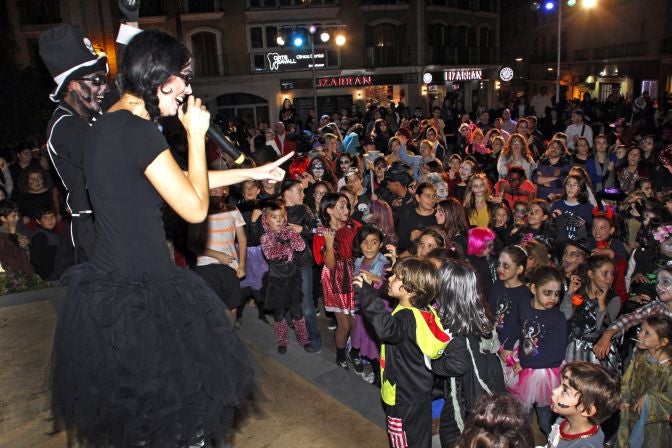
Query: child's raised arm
x,y
391,329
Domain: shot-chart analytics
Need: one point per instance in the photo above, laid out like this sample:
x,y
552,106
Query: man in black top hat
x,y
81,82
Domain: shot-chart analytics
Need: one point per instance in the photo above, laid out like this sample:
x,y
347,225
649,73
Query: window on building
x,y
608,89
152,8
200,6
256,37
385,46
206,55
39,12
486,43
250,108
271,35
259,63
651,86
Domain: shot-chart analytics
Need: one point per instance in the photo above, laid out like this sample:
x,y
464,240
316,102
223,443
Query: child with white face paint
x,y
587,395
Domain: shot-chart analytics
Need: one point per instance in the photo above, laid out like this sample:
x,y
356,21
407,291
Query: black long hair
x,y
461,306
150,59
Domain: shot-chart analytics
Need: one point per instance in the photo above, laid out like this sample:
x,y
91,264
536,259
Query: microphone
x,y
225,144
222,141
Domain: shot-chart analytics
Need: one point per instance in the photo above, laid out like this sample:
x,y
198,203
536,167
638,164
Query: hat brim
x,y
577,243
97,65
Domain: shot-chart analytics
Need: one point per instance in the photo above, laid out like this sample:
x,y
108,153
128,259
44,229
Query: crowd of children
x,y
510,284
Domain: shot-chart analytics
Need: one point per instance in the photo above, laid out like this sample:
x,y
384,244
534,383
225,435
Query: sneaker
x,y
343,364
357,365
369,377
332,324
282,349
317,311
309,348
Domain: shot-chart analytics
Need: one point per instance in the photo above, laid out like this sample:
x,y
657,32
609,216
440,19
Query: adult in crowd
x,y
508,124
578,128
282,141
551,170
81,82
540,102
515,153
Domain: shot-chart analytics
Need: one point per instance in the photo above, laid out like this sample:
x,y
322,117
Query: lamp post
x,y
557,69
324,37
549,5
313,30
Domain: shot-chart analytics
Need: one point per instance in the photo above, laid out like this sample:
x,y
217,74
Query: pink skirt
x,y
535,386
336,302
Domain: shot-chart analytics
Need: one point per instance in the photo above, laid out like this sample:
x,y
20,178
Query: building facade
x,y
617,47
413,51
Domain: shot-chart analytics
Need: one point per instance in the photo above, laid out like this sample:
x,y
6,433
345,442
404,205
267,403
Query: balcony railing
x,y
620,51
544,58
273,4
201,6
582,54
384,2
460,55
666,46
39,12
208,64
150,8
391,56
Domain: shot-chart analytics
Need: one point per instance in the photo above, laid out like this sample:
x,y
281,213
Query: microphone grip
x,y
225,144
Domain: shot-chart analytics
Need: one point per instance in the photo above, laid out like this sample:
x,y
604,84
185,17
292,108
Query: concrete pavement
x,y
305,400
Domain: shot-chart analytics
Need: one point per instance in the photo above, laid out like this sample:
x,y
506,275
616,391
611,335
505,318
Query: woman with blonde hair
x,y
478,202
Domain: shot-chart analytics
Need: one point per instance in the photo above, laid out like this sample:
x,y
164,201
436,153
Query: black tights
x,y
294,311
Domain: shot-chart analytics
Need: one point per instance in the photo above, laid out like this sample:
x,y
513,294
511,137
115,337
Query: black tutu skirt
x,y
139,363
282,286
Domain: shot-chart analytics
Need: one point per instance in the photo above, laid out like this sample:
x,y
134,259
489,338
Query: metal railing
x,y
150,8
666,46
582,54
200,6
272,4
460,55
388,56
620,51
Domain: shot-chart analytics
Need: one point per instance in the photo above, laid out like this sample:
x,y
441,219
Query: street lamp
x,y
549,5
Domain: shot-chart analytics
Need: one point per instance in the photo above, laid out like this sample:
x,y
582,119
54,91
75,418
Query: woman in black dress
x,y
143,352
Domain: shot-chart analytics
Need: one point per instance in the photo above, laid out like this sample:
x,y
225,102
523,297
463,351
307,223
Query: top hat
x,y
68,54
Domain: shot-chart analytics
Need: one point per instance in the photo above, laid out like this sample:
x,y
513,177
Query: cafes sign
x,y
467,74
345,81
294,61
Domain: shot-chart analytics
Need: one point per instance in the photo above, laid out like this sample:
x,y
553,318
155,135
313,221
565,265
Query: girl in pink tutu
x,y
372,263
542,346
